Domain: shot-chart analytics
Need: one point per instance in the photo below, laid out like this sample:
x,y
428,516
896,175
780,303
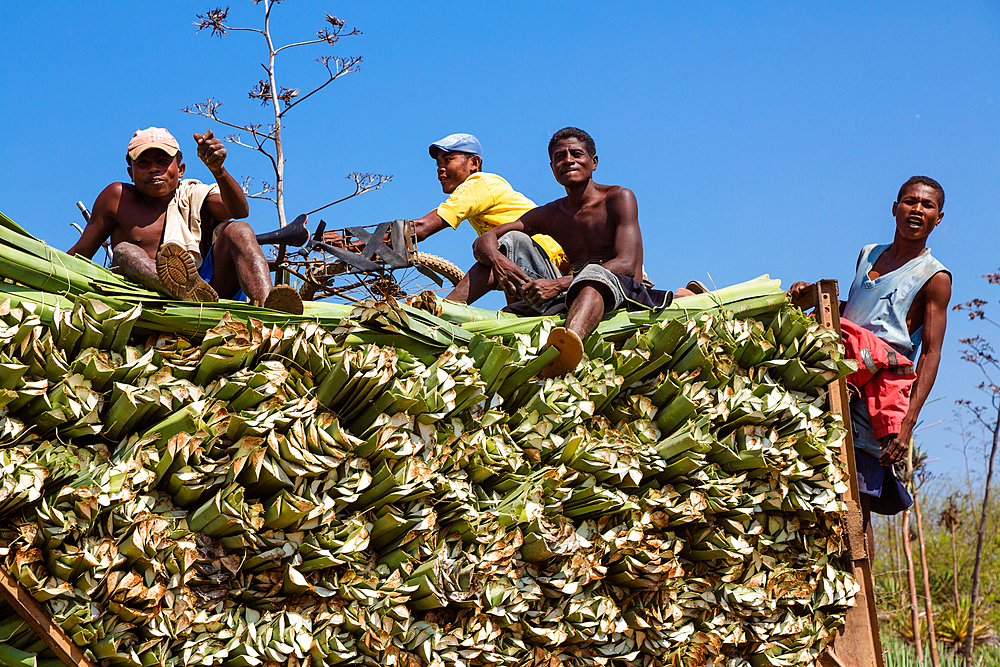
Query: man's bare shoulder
x,y
621,202
938,289
112,198
546,211
616,195
614,190
118,193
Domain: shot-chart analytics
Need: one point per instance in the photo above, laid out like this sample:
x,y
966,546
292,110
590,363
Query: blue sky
x,y
758,137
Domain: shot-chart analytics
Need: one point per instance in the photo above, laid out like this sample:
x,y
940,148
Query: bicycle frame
x,y
359,254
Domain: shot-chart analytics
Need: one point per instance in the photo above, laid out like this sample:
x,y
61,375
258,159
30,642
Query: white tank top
x,y
881,305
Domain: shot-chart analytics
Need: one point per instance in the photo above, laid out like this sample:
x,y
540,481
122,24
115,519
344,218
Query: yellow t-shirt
x,y
488,201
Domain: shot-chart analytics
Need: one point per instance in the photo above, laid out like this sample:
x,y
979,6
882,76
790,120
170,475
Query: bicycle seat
x,y
294,233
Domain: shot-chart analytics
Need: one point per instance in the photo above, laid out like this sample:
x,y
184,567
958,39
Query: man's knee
x,y
591,293
530,257
601,281
236,231
125,254
236,238
512,244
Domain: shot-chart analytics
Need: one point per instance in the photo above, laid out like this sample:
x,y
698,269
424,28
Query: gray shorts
x,y
536,264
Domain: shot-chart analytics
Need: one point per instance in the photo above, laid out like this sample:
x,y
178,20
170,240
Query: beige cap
x,y
152,137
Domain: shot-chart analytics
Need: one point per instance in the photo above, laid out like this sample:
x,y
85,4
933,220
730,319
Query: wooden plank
x,y
39,621
857,643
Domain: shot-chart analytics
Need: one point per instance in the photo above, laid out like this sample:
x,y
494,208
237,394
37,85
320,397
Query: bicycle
x,y
355,263
351,264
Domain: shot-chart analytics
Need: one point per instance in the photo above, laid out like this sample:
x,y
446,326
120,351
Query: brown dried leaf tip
x,y
214,19
262,92
975,308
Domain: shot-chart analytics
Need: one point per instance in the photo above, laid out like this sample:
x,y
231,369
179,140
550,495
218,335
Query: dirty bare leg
x,y
585,312
132,262
866,519
240,263
477,282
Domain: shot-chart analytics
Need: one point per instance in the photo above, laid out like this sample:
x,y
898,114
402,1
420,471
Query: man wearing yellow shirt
x,y
485,200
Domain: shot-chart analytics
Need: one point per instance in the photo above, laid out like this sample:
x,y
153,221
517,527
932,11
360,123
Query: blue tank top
x,y
881,305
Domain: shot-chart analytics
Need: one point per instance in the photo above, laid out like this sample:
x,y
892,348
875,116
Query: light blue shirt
x,y
881,306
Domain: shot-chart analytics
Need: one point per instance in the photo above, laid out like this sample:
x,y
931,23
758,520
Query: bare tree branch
x,y
344,66
325,35
262,92
280,99
208,110
265,188
363,182
978,351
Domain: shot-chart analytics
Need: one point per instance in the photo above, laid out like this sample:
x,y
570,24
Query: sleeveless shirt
x,y
881,305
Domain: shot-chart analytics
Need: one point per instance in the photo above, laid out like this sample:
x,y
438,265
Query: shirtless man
x,y
162,228
598,228
897,304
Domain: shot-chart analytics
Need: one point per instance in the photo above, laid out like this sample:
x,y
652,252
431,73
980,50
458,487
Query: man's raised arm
x,y
935,320
232,201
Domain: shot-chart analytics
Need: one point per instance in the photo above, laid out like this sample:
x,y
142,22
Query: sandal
x,y
177,272
570,352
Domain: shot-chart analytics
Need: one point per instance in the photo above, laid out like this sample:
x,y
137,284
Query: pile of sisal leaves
x,y
185,485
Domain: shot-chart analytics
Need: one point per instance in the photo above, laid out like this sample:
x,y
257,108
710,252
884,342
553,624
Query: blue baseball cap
x,y
457,143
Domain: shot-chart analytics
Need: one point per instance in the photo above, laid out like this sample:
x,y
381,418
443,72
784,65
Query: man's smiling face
x,y
571,162
155,173
454,168
917,212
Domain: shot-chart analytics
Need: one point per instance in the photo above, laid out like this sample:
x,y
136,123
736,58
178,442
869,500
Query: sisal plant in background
x,y
267,139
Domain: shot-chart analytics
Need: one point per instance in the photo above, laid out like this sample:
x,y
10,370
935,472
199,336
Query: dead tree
x,y
266,139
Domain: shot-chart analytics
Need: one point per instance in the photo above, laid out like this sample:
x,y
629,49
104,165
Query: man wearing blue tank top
x,y
897,306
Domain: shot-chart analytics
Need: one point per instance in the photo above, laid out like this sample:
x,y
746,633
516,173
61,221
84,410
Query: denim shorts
x,y
519,248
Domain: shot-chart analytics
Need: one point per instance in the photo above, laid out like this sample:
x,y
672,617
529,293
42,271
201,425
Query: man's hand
x,y
802,295
509,276
211,151
539,292
898,445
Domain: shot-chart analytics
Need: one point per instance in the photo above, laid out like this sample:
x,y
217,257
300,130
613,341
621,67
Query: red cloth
x,y
884,376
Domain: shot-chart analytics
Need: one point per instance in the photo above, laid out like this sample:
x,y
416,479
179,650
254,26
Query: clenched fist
x,y
211,151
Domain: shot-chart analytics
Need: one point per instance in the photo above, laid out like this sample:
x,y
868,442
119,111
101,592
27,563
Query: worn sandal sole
x,y
697,287
284,298
179,275
570,352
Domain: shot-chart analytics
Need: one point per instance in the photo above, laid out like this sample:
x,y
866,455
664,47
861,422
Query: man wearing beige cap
x,y
182,237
